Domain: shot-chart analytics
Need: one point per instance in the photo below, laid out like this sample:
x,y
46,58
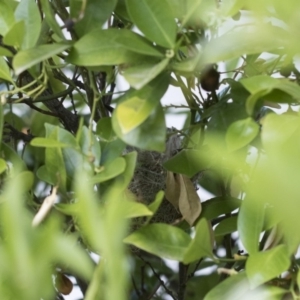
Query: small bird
x,y
209,78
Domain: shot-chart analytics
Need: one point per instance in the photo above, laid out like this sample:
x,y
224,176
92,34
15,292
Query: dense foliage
x,y
88,168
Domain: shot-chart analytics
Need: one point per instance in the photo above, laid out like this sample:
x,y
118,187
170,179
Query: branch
x,y
18,135
182,280
159,279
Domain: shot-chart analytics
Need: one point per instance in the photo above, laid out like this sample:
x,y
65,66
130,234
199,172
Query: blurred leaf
x,y
200,246
3,165
4,71
30,57
7,19
110,170
50,18
189,201
93,18
47,143
263,266
241,133
226,226
251,39
28,11
5,52
217,206
162,240
132,209
63,284
90,228
237,287
139,75
258,83
250,223
14,37
155,19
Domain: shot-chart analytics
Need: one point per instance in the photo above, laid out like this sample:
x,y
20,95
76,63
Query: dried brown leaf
x,y
172,188
189,201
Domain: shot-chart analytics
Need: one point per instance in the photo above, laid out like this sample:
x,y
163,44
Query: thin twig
x,y
158,277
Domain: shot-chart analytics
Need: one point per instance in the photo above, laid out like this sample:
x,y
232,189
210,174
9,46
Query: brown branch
x,y
45,112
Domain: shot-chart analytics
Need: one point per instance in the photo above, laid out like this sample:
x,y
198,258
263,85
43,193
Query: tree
x,y
88,168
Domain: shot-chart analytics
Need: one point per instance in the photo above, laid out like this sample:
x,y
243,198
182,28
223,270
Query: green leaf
x,y
101,47
264,266
90,146
4,71
110,170
131,209
232,288
7,18
150,135
133,112
87,205
30,57
217,206
248,40
48,143
136,43
188,162
93,17
259,83
250,224
5,52
139,75
190,9
226,226
162,240
279,131
14,37
241,133
3,165
200,246
50,18
155,204
28,11
155,19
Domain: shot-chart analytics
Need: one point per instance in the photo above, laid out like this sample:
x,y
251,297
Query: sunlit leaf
x,y
263,266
